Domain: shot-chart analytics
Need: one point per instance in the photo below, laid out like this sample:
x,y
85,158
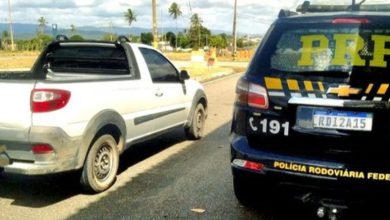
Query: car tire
x,y
253,193
101,165
243,191
195,130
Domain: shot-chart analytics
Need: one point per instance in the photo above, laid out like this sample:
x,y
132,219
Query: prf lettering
x,y
346,45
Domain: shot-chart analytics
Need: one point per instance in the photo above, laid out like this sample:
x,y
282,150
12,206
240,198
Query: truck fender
x,y
199,96
107,119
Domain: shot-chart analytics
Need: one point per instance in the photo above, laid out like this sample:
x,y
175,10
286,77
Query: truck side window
x,y
161,70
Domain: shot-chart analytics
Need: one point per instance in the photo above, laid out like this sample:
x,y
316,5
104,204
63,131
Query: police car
x,y
312,110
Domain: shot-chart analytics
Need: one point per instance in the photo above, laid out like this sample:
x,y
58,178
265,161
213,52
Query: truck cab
x,y
85,102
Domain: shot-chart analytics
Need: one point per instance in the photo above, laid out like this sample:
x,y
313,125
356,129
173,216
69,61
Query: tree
x,y
130,17
195,31
4,39
42,22
76,37
110,37
175,12
171,37
147,38
72,29
240,43
183,40
218,41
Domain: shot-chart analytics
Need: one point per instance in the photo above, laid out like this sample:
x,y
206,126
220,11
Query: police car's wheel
x,y
243,191
101,165
254,193
195,131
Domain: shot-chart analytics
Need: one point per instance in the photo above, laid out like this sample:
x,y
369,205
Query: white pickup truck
x,y
84,103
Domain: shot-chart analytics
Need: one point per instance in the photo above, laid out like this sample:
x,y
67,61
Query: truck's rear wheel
x,y
195,130
101,165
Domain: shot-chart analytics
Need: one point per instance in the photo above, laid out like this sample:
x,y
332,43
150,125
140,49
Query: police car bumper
x,y
301,175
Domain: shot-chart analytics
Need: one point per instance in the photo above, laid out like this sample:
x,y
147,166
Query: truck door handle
x,y
159,93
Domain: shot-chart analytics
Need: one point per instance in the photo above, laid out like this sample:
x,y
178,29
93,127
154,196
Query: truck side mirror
x,y
183,75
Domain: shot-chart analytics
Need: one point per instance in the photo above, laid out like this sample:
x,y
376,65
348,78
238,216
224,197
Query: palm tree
x,y
196,25
175,12
130,16
42,22
72,29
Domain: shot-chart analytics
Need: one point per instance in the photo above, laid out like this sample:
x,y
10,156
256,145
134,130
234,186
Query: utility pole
x,y
155,34
10,26
234,30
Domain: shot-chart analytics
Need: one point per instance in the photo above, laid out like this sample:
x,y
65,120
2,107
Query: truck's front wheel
x,y
101,165
195,130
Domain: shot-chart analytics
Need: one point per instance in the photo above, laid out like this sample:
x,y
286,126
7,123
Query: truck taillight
x,y
47,100
42,149
251,94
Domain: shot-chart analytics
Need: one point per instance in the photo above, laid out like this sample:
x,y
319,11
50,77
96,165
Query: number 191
x,y
274,127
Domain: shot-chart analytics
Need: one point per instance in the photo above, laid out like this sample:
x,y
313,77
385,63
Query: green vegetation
x,y
183,40
147,38
37,43
76,37
171,38
110,37
219,41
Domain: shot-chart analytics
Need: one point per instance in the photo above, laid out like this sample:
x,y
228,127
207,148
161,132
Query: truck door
x,y
169,92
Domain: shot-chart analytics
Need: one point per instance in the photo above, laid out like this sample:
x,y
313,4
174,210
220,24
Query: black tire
x,y
196,128
243,191
101,165
253,193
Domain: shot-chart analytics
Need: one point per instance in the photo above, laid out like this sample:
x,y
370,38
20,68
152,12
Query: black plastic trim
x,y
143,119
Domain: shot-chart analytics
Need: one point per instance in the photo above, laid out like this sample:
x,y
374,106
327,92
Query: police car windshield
x,y
331,48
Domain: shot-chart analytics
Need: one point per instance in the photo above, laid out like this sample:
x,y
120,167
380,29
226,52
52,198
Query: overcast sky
x,y
254,16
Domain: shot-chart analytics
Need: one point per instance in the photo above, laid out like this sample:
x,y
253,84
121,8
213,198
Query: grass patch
x,y
18,59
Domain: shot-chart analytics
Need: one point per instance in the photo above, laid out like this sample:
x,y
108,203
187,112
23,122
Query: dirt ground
x,y
17,60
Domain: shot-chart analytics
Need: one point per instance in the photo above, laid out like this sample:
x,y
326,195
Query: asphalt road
x,y
160,179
